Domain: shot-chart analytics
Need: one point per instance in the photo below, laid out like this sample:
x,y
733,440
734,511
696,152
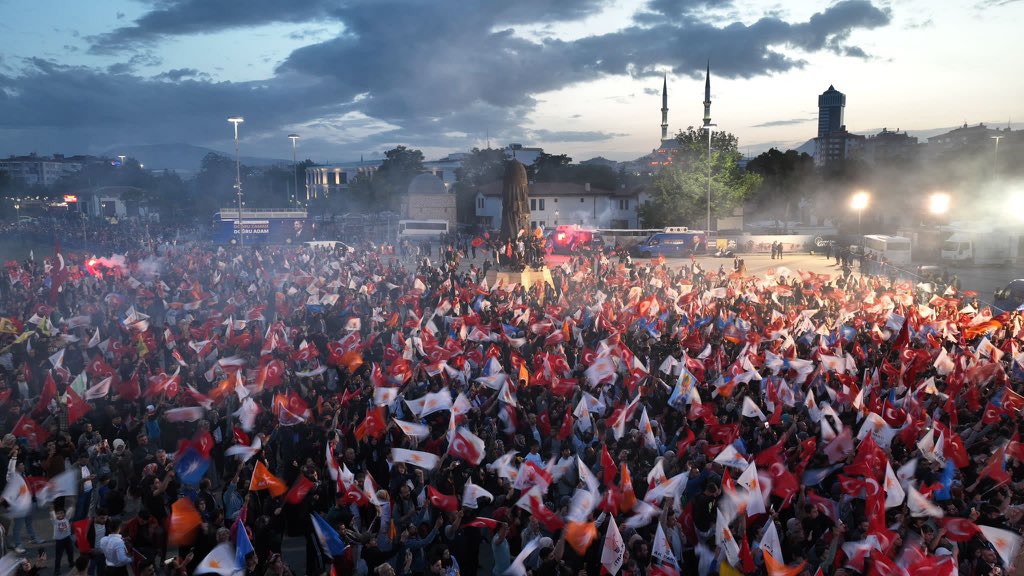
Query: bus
x,y
414,229
895,249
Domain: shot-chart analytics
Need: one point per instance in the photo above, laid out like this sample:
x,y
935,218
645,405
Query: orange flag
x,y
628,495
776,568
262,479
579,535
184,523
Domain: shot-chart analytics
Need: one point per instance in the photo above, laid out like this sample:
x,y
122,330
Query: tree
x,y
679,192
479,168
784,177
382,190
549,168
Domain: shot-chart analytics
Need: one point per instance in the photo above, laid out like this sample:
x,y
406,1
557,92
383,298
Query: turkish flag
x,y
77,408
26,427
373,425
481,522
442,501
608,467
467,446
81,530
959,529
49,393
566,429
299,490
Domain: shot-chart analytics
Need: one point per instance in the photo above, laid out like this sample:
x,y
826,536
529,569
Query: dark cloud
x,y
178,74
572,135
441,73
774,123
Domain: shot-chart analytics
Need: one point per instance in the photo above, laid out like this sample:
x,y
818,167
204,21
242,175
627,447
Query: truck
x,y
262,226
975,247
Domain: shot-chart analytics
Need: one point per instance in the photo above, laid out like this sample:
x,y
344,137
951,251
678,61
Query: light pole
x,y
709,126
17,213
122,157
556,217
236,120
859,202
995,157
295,165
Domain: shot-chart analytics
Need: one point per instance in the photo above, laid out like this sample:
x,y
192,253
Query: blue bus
x,y
673,243
261,227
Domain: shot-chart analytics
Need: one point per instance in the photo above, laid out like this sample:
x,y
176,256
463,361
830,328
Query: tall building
x,y
834,143
830,111
707,95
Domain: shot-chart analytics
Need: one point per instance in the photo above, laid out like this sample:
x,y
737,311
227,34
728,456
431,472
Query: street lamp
x,y
859,202
709,126
236,120
556,217
995,157
295,166
17,212
122,157
938,203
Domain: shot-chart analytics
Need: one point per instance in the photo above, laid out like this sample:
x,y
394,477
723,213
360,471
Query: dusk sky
x,y
581,77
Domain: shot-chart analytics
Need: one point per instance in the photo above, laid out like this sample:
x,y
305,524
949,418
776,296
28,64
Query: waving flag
x,y
467,446
330,540
435,402
443,502
184,523
424,460
471,493
262,479
614,548
413,430
63,484
221,560
191,466
1006,543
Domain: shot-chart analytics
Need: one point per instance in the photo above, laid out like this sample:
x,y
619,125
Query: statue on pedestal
x,y
515,202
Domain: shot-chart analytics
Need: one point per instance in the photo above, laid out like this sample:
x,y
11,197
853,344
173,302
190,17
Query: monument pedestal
x,y
527,278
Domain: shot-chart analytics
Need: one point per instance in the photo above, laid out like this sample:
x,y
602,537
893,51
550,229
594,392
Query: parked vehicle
x,y
673,244
1010,298
420,229
895,249
981,247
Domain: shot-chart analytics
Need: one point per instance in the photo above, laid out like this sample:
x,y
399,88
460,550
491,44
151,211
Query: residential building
x,y
837,146
43,171
554,203
965,139
888,146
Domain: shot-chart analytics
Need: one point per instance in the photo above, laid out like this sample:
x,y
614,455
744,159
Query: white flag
x,y
424,460
100,390
1005,542
894,493
614,548
18,497
63,484
471,493
220,560
414,430
751,410
188,414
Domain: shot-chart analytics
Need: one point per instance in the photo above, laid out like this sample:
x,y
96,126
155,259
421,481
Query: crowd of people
x,y
193,409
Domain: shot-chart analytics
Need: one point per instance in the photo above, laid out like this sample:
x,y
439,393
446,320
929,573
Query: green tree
x,y
391,181
784,179
482,166
679,192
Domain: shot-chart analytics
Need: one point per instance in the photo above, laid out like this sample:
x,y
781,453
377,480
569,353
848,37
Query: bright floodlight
x,y
293,137
859,201
236,120
938,203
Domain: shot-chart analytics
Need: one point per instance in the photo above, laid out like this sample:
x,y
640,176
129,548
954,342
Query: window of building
x,y
480,203
540,204
533,203
623,203
581,200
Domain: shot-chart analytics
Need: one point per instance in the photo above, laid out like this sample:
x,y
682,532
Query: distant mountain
x,y
180,157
